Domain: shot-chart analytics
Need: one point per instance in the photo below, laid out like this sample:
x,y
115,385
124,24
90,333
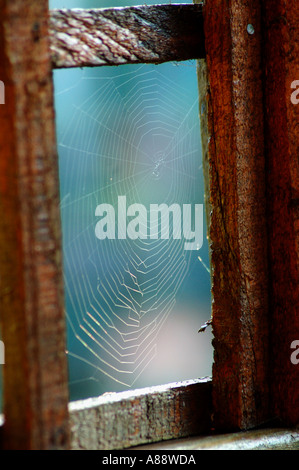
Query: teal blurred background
x,y
100,111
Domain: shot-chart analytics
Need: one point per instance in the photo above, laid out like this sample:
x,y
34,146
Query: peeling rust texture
x,y
142,34
121,420
281,61
31,283
238,229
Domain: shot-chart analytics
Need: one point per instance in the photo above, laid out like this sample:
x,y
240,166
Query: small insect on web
x,y
205,326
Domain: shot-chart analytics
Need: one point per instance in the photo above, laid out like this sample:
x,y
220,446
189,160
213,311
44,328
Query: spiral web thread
x,y
130,132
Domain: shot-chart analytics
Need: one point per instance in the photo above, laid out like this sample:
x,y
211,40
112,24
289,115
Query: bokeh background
x,y
99,109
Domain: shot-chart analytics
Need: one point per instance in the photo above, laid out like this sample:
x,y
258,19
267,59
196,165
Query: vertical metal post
x,y
234,149
31,286
281,63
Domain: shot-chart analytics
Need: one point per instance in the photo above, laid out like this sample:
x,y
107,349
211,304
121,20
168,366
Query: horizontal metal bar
x,y
122,420
130,35
257,439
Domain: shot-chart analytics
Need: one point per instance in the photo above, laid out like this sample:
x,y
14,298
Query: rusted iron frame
x,y
238,327
35,382
235,158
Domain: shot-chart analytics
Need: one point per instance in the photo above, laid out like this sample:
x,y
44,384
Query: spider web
x,y
131,131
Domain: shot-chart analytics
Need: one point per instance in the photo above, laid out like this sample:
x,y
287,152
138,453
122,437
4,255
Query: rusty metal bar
x,y
234,149
141,416
281,63
115,36
31,283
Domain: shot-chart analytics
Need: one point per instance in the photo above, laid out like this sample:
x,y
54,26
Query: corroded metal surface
x,y
119,420
238,228
143,34
31,300
281,59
